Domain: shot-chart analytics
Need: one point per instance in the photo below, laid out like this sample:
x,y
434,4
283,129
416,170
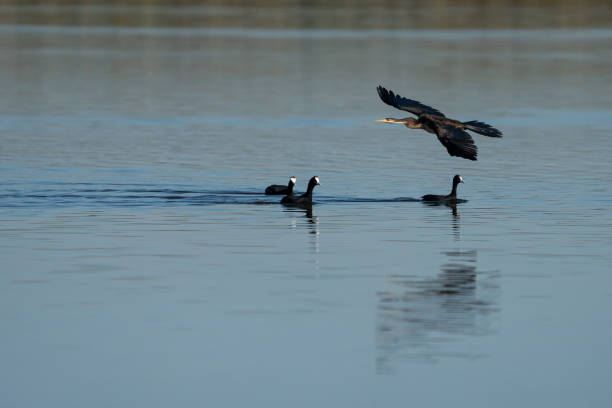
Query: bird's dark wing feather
x,y
482,128
457,142
405,104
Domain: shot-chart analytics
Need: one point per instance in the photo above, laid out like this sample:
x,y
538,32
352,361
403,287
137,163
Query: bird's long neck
x,y
311,186
453,192
412,123
290,188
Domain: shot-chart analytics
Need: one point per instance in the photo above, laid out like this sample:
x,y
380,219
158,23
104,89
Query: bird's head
x,y
314,181
405,121
292,180
389,120
457,179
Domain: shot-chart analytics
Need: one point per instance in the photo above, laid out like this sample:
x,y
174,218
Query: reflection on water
x,y
455,222
451,205
422,319
306,211
315,14
312,224
135,146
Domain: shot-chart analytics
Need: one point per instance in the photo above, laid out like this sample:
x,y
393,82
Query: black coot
x,y
279,189
445,198
303,199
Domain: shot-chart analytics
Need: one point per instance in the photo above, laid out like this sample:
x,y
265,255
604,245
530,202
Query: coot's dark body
x,y
279,189
452,197
303,199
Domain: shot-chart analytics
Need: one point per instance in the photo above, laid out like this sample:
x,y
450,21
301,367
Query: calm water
x,y
142,265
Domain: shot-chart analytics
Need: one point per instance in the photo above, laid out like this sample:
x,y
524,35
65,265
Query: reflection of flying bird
x,y
451,133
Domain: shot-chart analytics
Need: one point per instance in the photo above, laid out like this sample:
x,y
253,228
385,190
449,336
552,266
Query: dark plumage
x,y
279,189
304,199
451,133
452,197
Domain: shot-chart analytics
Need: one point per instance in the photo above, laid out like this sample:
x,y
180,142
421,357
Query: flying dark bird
x,y
450,198
304,199
451,133
278,189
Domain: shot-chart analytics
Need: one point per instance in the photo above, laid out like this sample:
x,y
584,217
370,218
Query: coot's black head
x,y
292,180
457,179
313,182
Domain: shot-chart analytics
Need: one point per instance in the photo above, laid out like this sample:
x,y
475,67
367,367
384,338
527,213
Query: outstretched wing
x,y
483,128
405,104
457,142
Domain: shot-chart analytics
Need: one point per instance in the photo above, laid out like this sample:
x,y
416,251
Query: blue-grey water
x,y
142,265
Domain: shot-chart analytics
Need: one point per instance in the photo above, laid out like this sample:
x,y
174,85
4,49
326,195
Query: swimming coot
x,y
305,198
279,189
445,198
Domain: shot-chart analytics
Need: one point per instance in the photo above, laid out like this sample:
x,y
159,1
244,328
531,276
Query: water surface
x,y
143,266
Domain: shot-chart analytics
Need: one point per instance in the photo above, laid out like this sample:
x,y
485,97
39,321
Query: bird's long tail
x,y
482,128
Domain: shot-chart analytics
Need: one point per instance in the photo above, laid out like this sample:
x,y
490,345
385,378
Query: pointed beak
x,y
382,120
